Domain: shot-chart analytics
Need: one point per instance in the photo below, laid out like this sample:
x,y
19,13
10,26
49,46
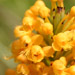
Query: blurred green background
x,y
11,14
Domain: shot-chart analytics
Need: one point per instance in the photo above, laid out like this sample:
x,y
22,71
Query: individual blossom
x,y
25,39
47,28
17,47
48,51
71,70
22,58
19,31
35,8
59,65
36,54
42,12
28,23
36,38
63,41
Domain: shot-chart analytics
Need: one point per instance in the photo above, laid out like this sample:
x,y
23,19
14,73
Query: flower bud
x,y
44,12
19,31
72,12
28,23
47,28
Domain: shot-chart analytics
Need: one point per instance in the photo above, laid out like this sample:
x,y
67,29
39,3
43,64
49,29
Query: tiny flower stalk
x,y
45,43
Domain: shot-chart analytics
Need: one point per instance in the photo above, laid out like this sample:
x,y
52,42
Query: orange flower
x,y
36,54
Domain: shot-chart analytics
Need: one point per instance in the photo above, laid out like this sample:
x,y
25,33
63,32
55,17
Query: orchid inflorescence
x,y
45,42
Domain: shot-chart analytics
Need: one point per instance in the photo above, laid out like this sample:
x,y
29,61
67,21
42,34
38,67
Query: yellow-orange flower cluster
x,y
45,42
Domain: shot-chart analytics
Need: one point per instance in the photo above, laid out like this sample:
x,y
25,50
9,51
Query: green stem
x,y
46,61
